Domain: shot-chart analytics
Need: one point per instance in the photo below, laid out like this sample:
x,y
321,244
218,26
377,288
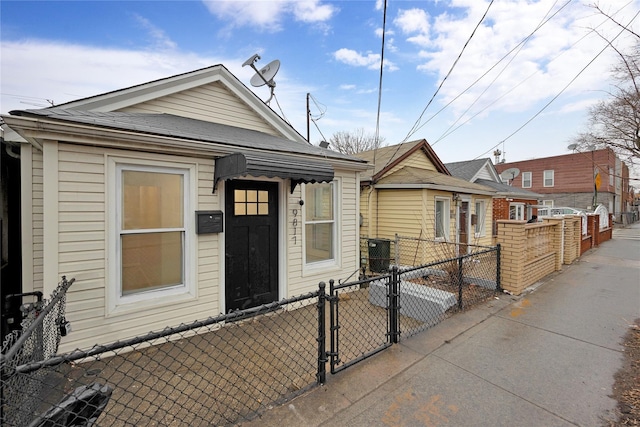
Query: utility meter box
x,y
208,222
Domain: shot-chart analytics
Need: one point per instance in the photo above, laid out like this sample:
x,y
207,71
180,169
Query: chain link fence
x,y
380,309
430,293
213,372
359,329
43,324
230,368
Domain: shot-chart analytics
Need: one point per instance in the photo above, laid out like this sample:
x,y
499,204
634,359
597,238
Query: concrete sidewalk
x,y
546,358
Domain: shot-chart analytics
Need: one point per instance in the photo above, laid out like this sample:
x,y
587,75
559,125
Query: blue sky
x,y
494,97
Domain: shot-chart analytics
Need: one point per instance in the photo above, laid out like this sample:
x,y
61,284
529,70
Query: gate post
x,y
334,325
498,286
322,337
394,328
460,278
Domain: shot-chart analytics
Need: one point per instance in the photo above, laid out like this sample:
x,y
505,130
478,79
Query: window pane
x,y
151,261
439,218
152,200
319,242
319,202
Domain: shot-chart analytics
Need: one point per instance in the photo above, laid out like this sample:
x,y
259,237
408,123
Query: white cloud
x,y
161,40
542,68
267,15
414,21
35,70
369,60
351,57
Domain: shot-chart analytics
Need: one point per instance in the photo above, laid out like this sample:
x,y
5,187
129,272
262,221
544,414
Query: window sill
x,y
149,300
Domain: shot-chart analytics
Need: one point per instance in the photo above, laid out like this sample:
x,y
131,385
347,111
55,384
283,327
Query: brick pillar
x,y
511,236
556,239
591,228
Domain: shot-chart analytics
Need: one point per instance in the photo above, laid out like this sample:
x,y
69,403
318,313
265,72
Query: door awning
x,y
272,165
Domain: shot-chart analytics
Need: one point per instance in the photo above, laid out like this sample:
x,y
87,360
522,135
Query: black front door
x,y
251,248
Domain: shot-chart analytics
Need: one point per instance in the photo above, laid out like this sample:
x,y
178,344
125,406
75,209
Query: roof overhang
x,y
272,165
440,187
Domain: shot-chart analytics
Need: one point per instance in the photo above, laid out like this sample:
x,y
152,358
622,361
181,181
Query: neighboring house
x,y
410,192
176,200
580,180
509,202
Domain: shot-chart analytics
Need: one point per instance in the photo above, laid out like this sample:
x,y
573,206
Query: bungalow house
x,y
509,202
411,193
176,200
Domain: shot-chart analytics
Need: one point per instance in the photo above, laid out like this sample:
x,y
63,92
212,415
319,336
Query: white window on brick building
x,y
548,178
526,179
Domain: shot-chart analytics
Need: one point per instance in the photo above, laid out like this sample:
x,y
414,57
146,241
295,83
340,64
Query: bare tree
x,y
354,142
615,122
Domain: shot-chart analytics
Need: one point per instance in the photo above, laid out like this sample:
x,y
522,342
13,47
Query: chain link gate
x,y
359,327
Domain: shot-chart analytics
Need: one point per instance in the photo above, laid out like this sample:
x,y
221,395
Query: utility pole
x,y
308,115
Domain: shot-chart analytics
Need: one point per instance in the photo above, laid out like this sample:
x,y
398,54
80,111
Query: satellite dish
x,y
572,147
266,74
510,174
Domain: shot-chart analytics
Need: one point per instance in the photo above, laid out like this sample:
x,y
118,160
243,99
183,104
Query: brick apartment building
x,y
570,180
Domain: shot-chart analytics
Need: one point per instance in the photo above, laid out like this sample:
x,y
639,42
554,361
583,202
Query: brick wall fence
x,y
529,252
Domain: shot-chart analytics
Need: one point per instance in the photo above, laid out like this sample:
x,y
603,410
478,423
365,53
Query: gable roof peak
x,y
387,157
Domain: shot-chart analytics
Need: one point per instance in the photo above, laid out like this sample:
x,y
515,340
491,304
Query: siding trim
x,y
50,216
26,215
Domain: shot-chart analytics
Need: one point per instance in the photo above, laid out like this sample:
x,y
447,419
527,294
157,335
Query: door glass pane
x,y
152,200
251,202
151,261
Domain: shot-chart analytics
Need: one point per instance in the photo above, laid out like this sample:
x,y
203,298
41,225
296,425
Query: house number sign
x,y
294,222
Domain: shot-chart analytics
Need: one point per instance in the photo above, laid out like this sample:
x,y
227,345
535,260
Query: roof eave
x,y
440,187
36,130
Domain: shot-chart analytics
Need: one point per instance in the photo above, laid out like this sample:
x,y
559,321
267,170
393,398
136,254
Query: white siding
x,y
484,174
212,103
300,282
37,219
83,236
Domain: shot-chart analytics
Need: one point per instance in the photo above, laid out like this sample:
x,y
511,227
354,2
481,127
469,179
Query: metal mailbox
x,y
208,222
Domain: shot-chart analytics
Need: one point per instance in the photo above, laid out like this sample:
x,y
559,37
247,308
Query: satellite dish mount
x,y
510,174
265,75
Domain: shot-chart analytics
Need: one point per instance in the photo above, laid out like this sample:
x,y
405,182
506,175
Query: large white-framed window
x,y
481,212
548,178
517,211
442,218
548,203
151,243
526,179
321,228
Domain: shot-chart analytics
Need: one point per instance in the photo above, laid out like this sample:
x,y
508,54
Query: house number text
x,y
294,222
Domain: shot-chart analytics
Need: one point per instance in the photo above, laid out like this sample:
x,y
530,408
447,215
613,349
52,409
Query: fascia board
x,y
434,187
38,129
124,98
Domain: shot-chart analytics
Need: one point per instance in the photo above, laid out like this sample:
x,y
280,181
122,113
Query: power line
x,y
415,127
517,50
559,93
517,46
377,134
